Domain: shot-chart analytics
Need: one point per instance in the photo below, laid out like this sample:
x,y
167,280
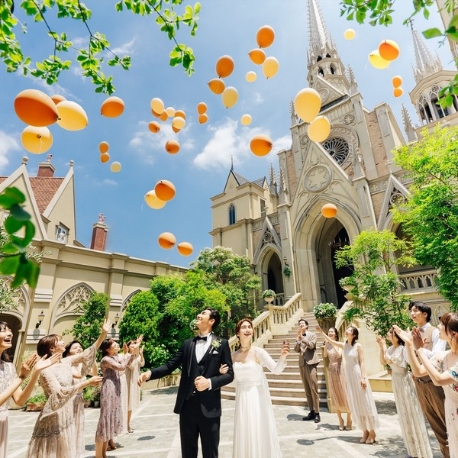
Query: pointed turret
x,y
272,180
408,126
426,62
352,80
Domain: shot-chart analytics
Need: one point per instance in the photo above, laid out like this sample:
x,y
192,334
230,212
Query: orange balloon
x,y
35,108
104,147
164,116
389,50
203,118
155,113
224,66
261,145
217,86
167,240
153,202
36,140
398,91
397,81
257,56
185,248
180,113
175,129
165,190
154,127
265,36
172,147
112,107
57,98
105,157
201,107
329,210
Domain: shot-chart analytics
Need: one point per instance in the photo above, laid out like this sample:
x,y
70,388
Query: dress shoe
x,y
310,416
317,418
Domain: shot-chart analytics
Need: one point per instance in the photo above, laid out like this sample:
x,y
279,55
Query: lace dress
x,y
336,380
255,432
111,411
410,415
54,435
361,401
7,376
132,374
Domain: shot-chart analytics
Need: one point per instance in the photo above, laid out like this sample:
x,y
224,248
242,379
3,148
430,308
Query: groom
x,y
199,396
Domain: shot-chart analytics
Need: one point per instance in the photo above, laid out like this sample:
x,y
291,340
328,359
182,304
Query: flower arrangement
x,y
216,344
287,271
325,310
268,293
193,325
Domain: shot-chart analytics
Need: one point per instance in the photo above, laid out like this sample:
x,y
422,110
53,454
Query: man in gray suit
x,y
308,363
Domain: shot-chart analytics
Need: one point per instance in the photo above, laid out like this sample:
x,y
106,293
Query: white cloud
x,y
282,143
126,48
8,143
108,182
258,98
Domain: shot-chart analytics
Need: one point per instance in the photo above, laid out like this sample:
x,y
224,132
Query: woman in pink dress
x,y
111,414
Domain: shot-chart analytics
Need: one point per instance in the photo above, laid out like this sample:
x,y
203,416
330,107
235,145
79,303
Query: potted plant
x,y
268,295
91,395
35,403
325,314
348,283
287,271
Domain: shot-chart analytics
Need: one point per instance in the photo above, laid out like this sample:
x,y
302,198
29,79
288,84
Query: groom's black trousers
x,y
194,423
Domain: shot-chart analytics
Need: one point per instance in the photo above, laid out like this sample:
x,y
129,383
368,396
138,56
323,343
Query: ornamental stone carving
x,y
317,178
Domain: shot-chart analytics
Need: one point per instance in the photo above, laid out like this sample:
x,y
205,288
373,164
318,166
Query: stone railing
x,y
276,320
418,281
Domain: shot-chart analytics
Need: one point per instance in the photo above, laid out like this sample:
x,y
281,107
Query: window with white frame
x,y
61,233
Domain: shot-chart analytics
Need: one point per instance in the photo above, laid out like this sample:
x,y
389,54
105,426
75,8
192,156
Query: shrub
x,y
268,293
325,310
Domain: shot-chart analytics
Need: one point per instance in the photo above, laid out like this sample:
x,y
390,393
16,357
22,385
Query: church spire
x,y
408,126
426,63
320,40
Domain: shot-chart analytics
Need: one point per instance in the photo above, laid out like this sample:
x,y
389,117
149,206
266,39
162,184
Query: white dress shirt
x,y
202,346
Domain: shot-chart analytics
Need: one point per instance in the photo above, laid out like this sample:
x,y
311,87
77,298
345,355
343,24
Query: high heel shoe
x,y
341,426
370,440
348,427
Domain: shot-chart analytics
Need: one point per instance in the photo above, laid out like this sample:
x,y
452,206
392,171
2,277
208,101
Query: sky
x,y
200,169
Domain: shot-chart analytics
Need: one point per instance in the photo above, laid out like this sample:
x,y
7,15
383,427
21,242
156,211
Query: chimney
x,y
99,234
46,169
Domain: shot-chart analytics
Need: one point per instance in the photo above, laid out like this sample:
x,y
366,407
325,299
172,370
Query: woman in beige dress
x,y
132,374
336,380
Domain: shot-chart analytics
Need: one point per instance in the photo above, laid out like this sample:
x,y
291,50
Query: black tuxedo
x,y
200,411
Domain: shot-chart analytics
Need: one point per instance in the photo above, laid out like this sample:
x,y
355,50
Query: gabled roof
x,y
240,180
44,189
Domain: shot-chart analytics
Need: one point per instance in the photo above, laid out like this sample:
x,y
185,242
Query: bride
x,y
255,433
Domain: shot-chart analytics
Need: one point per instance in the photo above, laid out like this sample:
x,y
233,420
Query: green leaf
x,y
432,33
9,265
19,213
12,225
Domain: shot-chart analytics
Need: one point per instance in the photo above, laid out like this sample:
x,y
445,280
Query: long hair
x,y
69,346
4,327
354,333
45,344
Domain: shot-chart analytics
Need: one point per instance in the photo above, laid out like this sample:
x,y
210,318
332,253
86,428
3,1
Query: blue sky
x,y
200,169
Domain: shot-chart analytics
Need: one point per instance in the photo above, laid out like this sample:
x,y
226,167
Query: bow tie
x,y
197,338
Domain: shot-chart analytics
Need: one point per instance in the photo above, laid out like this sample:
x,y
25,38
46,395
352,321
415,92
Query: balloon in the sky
x,y
398,91
261,145
307,104
166,240
35,108
170,112
57,98
270,67
251,77
178,122
201,107
319,129
377,60
185,248
230,97
157,105
112,107
36,140
115,167
71,115
329,210
172,147
104,157
389,50
104,147
224,66
246,119
154,127
265,36
203,118
180,113
216,85
396,81
164,116
257,56
349,34
153,201
165,190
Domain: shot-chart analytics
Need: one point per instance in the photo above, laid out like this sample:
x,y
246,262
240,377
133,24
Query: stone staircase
x,y
286,388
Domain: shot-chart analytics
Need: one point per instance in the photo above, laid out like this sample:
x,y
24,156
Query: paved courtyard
x,y
156,432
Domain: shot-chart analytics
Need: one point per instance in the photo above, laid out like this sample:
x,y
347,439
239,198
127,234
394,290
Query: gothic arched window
x,y
338,148
231,214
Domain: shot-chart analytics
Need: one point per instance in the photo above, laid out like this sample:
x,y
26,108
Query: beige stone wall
x,y
378,148
291,171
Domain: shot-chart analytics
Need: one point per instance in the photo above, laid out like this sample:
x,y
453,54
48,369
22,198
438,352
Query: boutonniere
x,y
215,345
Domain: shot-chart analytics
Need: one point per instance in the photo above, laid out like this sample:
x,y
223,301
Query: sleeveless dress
x,y
361,401
410,415
54,435
337,389
255,432
7,376
132,374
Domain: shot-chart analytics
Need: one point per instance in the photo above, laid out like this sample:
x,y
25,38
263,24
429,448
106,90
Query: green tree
x,y
87,326
373,256
90,58
430,214
380,12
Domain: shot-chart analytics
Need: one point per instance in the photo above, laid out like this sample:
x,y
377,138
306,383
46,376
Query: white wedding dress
x,y
255,432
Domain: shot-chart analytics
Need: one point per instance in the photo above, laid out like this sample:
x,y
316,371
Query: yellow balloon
x,y
377,61
36,140
349,34
178,122
170,112
71,115
246,119
157,105
153,201
270,67
307,104
115,167
251,77
319,129
230,97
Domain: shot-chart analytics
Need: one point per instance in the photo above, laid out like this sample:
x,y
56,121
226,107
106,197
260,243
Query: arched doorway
x,y
273,277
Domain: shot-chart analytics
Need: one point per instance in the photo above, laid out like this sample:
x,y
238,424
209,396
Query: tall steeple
x,y
322,58
426,63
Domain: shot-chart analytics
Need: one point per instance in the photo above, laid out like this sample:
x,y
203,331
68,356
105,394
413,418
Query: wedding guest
x,y
79,371
411,420
336,380
111,413
10,382
360,398
54,434
132,374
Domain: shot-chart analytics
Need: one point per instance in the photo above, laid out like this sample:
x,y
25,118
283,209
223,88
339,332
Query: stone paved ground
x,y
156,432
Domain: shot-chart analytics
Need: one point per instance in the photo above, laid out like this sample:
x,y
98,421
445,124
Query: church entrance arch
x,y
272,277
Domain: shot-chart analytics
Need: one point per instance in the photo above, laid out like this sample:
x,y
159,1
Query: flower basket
x,y
268,295
325,315
326,323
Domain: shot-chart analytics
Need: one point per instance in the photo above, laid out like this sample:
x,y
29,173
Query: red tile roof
x,y
44,190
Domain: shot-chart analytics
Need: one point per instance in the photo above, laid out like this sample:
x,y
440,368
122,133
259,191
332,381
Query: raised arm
x,y
440,379
334,343
417,369
381,343
103,333
266,359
